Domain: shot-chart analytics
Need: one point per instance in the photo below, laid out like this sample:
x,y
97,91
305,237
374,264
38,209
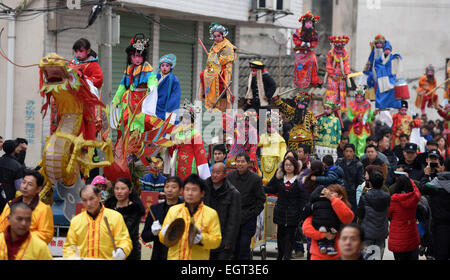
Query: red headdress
x,y
309,16
343,40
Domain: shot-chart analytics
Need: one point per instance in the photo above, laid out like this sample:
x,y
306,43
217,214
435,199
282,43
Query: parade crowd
x,y
344,181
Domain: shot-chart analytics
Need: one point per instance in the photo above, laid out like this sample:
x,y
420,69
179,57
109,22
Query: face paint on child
x,y
137,59
165,68
81,54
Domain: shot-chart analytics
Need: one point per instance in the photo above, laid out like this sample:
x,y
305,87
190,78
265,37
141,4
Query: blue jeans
x,y
244,239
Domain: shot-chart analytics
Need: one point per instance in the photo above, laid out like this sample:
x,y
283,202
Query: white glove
x,y
119,254
308,44
164,230
198,237
156,227
303,44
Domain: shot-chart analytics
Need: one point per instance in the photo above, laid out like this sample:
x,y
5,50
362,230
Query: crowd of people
x,y
345,181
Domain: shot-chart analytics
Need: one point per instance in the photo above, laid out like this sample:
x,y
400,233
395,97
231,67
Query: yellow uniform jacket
x,y
32,249
206,219
41,221
92,238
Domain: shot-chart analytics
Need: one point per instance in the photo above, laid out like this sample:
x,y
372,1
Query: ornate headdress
x,y
330,104
168,58
429,67
138,43
360,91
303,97
309,16
379,39
213,27
339,40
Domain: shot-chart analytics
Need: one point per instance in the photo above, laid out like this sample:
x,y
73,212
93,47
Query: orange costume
x,y
402,125
426,83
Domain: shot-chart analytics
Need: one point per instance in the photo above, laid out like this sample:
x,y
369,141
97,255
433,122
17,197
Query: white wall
x,y
27,100
416,29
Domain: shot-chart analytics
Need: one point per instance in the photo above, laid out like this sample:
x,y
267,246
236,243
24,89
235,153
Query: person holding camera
x,y
433,166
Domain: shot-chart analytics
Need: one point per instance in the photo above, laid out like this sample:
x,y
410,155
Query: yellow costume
x,y
41,221
205,219
220,62
33,248
273,149
91,236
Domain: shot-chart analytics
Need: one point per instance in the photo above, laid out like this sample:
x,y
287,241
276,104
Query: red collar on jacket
x,y
13,246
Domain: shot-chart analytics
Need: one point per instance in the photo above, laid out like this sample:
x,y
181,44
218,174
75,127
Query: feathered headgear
x,y
339,40
309,16
168,58
213,27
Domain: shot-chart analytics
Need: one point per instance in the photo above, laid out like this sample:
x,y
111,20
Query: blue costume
x,y
169,90
386,80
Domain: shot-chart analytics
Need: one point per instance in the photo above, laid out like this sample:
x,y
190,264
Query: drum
x,y
401,89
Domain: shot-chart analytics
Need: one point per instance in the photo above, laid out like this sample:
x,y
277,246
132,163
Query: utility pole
x,y
106,54
280,44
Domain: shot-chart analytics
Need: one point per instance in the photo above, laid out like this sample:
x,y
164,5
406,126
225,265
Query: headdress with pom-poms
x,y
303,97
213,27
309,16
379,39
138,44
339,40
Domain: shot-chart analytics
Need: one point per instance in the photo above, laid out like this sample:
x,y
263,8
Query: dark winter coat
x,y
414,170
438,192
321,211
160,210
372,210
10,170
353,175
333,175
253,198
290,203
269,89
227,203
132,215
403,232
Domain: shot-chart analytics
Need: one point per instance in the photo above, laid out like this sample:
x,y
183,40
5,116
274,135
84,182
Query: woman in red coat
x,y
404,236
340,205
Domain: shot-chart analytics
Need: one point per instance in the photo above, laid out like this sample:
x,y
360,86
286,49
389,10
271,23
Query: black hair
x,y
376,179
83,43
294,162
175,179
344,137
9,146
221,148
432,142
126,181
351,146
306,148
328,160
20,205
244,154
22,141
38,176
403,185
371,138
370,146
355,226
404,136
292,152
195,180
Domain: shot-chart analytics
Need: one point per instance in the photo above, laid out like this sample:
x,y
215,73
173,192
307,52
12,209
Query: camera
x,y
433,165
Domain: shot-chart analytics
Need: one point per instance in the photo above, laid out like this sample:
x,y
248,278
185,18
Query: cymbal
x,y
174,232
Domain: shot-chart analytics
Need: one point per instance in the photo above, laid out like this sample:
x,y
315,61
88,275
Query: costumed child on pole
x,y
169,90
305,40
427,83
137,93
360,115
368,79
402,123
328,132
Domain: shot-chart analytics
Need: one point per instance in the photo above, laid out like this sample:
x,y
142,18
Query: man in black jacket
x,y
412,165
10,172
226,200
249,184
172,190
353,173
261,87
438,192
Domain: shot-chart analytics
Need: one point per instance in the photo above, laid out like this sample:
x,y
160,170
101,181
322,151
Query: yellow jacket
x,y
41,221
32,249
207,220
92,238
